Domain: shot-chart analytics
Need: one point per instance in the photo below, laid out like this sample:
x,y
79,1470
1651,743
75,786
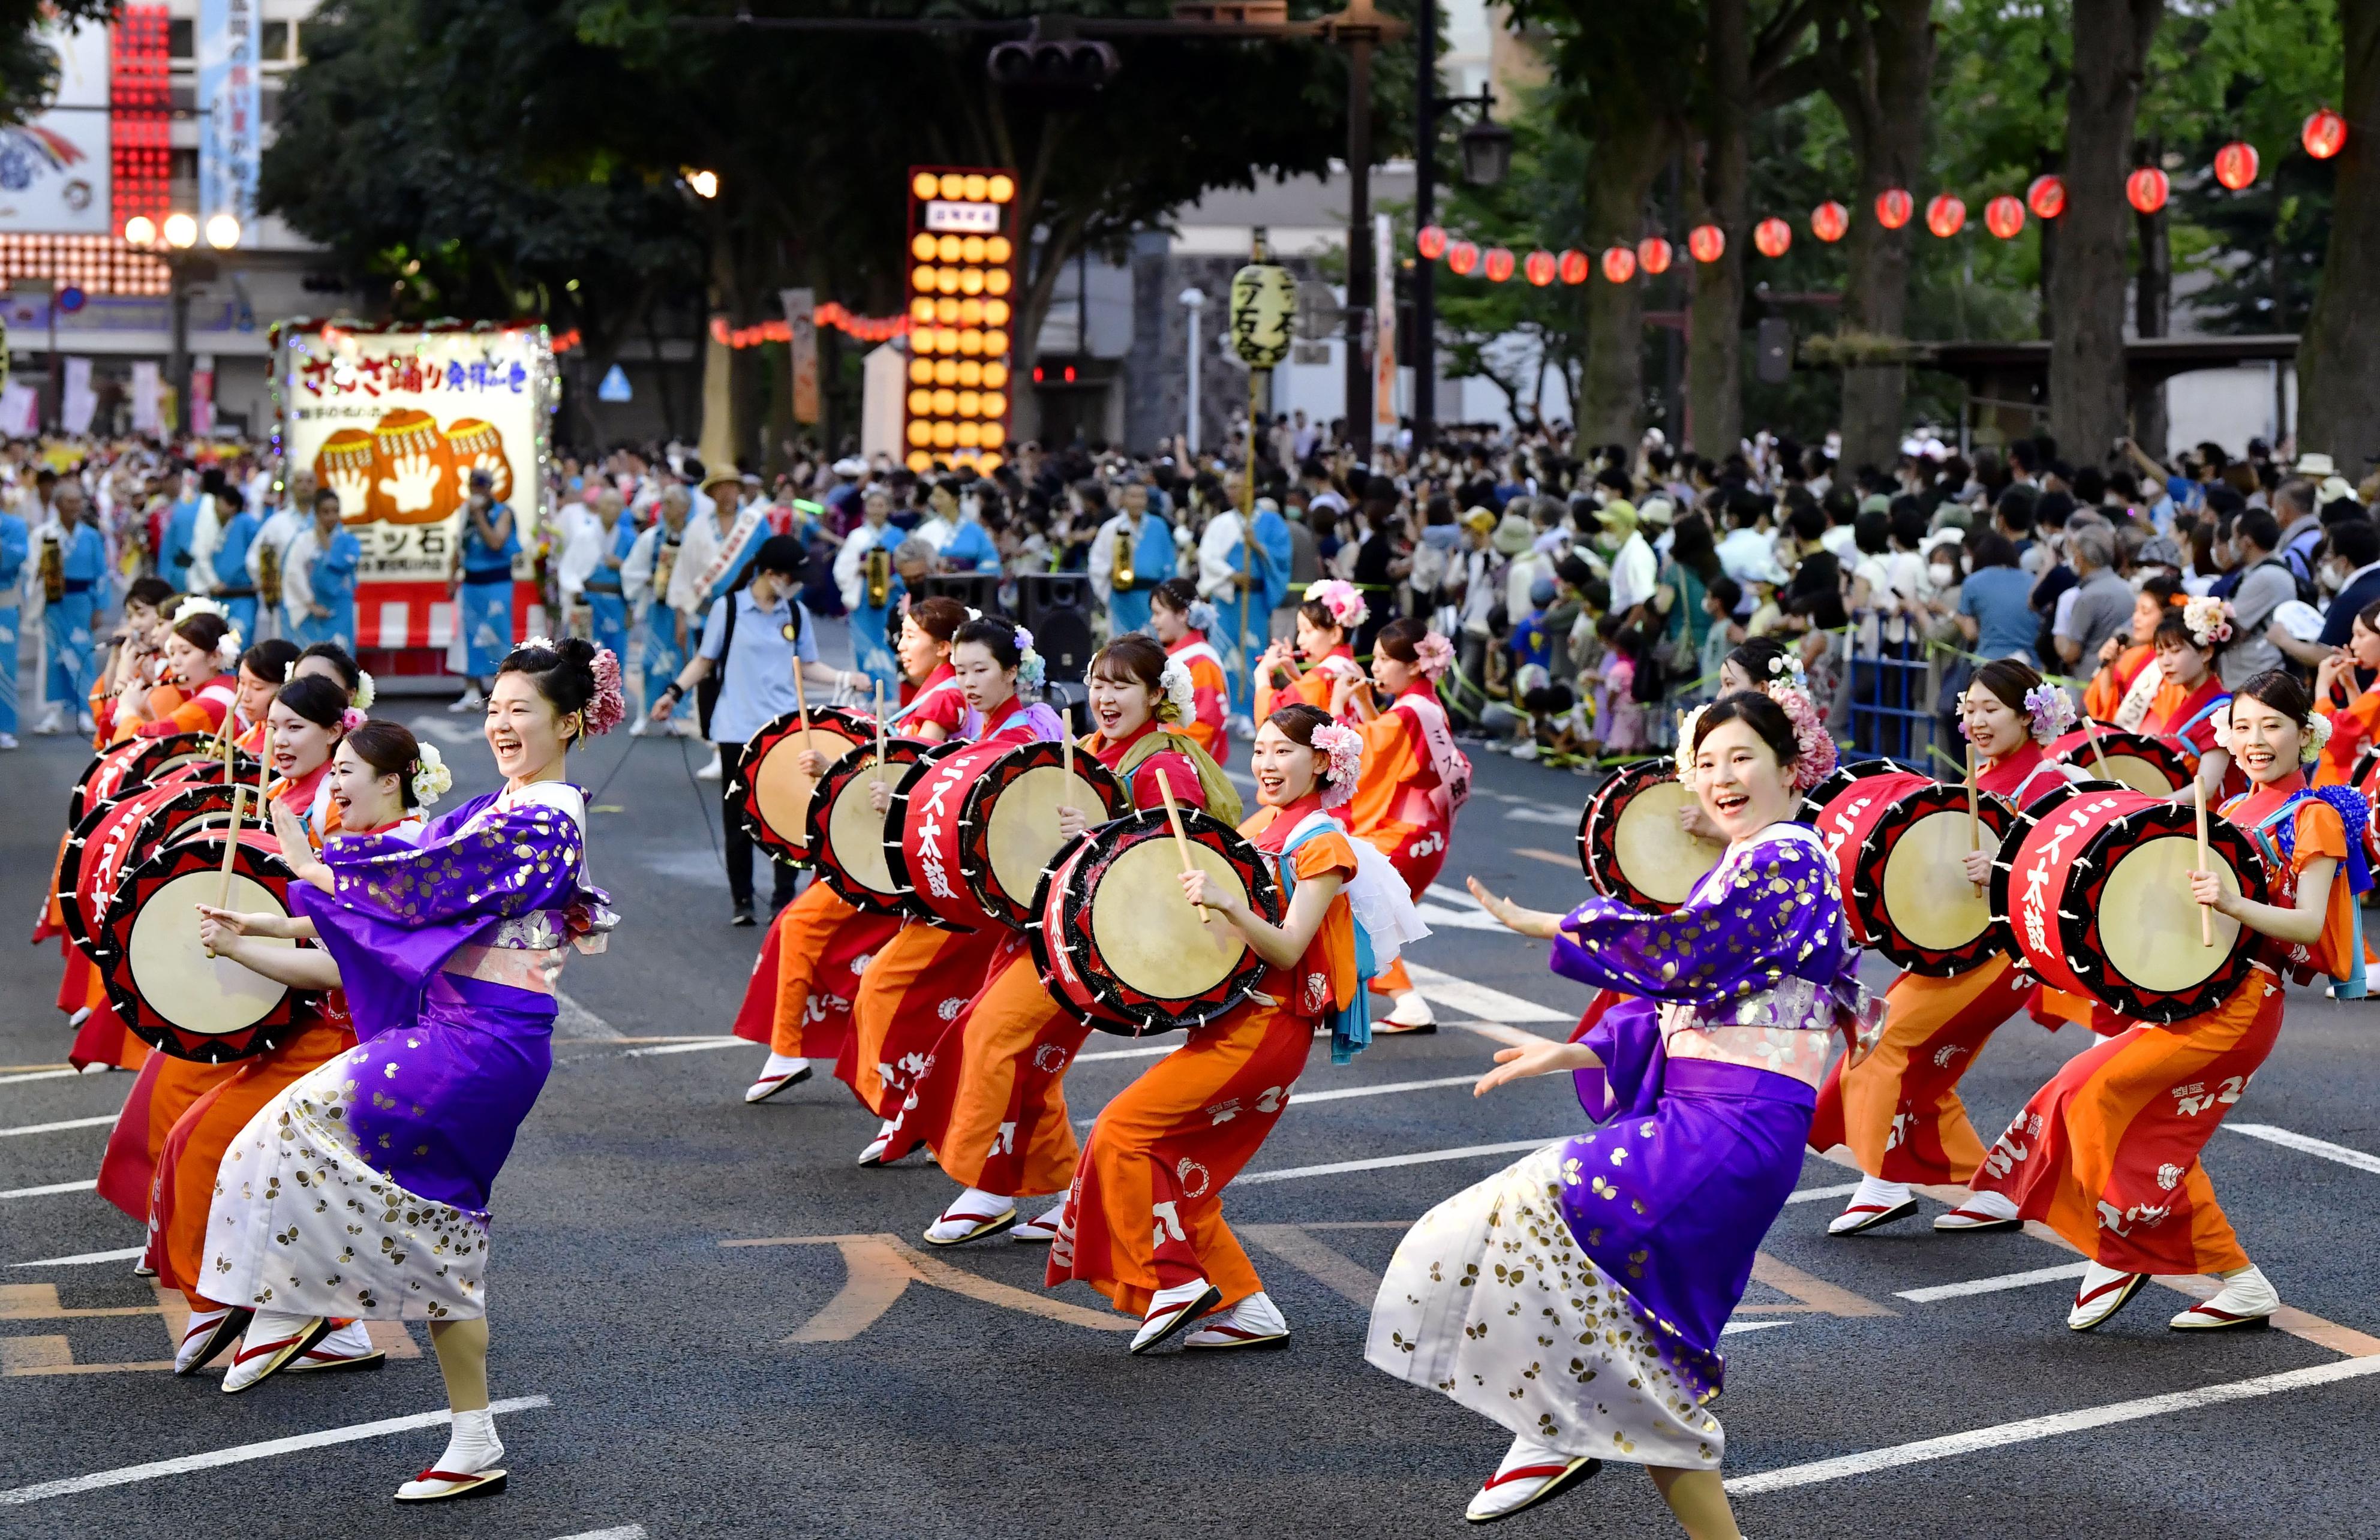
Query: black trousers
x,y
739,863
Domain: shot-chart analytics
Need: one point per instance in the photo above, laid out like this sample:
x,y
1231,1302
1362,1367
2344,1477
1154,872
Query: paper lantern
x,y
1944,215
2046,196
2325,134
1498,265
1619,264
1653,255
1539,268
1893,207
1431,242
2004,216
1829,220
2145,190
1461,258
2235,164
1706,242
1574,266
1771,236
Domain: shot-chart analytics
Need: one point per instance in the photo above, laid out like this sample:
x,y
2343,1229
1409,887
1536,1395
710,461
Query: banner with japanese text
x,y
230,104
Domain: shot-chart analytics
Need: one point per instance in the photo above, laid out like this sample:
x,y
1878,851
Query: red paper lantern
x,y
1706,242
1653,255
2145,190
1944,215
1574,266
2325,134
2046,196
1539,268
1893,207
1462,258
1829,220
2004,216
1619,264
1499,263
1431,242
2235,164
1772,236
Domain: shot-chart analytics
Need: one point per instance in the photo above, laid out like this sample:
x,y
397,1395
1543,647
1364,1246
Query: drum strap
x,y
1196,650
2276,837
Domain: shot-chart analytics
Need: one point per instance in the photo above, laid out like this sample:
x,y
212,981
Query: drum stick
x,y
879,729
2099,760
1974,835
801,703
1181,840
231,849
2205,915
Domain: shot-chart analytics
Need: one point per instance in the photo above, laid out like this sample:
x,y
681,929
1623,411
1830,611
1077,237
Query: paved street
x,y
708,1322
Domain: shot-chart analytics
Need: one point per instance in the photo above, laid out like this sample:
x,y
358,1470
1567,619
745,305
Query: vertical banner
x,y
801,328
145,405
1384,332
229,43
203,396
81,401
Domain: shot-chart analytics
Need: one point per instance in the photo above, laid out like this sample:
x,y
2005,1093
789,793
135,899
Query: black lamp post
x,y
1486,151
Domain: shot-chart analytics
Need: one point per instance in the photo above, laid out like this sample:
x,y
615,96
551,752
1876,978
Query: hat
x,y
482,482
782,553
2314,467
727,477
2160,551
1514,535
1478,518
1619,515
1541,592
851,464
1656,511
2300,620
2334,489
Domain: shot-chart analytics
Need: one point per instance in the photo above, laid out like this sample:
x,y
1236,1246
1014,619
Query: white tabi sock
x,y
473,1446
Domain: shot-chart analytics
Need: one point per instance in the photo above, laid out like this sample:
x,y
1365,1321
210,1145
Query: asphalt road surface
x,y
708,1322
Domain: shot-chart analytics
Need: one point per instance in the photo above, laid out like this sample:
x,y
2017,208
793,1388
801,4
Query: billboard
x,y
962,277
54,167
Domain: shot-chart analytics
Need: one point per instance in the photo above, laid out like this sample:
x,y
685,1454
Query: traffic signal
x,y
1058,71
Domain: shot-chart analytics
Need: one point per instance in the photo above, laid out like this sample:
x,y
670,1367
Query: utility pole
x,y
1359,28
1424,274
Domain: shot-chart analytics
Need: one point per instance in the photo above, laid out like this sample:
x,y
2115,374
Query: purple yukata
x,y
1577,1296
362,1190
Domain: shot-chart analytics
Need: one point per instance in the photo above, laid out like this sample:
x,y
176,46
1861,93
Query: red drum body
x,y
1630,843
977,825
770,793
846,834
135,762
1121,951
2155,766
170,993
1907,894
2087,854
117,836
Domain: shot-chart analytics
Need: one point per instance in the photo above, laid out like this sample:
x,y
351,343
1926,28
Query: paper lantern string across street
x,y
1706,242
1772,236
2046,196
2145,190
1893,207
2004,216
1830,221
2235,164
1946,215
2325,134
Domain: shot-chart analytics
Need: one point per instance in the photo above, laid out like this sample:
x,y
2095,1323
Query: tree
x,y
29,66
2339,365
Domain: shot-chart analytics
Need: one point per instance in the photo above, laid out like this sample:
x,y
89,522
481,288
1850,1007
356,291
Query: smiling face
x,y
527,736
300,746
1994,726
1121,704
2265,742
1315,641
366,799
1741,787
919,652
1284,769
2183,664
986,685
189,666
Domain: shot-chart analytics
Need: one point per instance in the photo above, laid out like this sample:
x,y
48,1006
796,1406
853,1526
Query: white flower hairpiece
x,y
1787,668
2209,620
1201,615
2317,736
2052,710
227,649
544,642
1180,698
1341,599
1686,725
199,604
1343,746
365,690
431,779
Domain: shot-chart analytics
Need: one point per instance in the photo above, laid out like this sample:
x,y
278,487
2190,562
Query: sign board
x,y
962,260
1384,331
1263,314
615,388
54,167
801,334
230,141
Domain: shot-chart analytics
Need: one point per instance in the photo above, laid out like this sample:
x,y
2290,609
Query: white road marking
x,y
1438,916
1526,813
2306,1145
57,1127
624,1532
1514,1035
574,1020
126,1254
1734,1327
2028,1429
1812,1195
242,1454
1478,1001
1990,1285
54,1187
1419,1157
48,1075
1301,1097
703,1046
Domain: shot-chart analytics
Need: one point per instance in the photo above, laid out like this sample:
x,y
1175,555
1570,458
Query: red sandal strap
x,y
2119,1283
1524,1474
452,1475
246,1352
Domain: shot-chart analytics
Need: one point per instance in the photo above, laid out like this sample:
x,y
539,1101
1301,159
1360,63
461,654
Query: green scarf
x,y
1221,797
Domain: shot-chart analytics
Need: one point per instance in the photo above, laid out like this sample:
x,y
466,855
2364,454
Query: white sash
x,y
922,697
2134,707
1376,893
725,563
1190,651
1452,766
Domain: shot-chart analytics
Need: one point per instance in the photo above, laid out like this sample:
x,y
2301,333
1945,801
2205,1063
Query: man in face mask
x,y
2353,564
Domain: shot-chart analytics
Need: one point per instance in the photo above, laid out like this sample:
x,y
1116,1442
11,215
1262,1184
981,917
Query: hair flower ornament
x,y
1787,668
1342,600
538,644
227,649
365,690
2317,736
1433,655
1344,747
1031,669
1177,698
431,779
2052,710
2209,620
199,604
1202,616
351,719
1815,748
608,706
1686,725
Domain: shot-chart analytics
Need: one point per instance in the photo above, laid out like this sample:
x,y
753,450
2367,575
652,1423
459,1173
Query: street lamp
x,y
171,243
1486,151
1194,301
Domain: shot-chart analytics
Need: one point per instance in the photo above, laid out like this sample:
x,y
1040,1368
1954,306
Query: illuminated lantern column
x,y
962,270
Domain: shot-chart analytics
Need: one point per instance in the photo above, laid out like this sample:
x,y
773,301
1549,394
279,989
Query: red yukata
x,y
1210,695
1312,687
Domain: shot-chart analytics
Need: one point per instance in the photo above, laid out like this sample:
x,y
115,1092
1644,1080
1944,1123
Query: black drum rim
x,y
2160,752
136,772
897,751
740,789
1840,780
2026,819
1866,894
84,935
2080,928
1598,829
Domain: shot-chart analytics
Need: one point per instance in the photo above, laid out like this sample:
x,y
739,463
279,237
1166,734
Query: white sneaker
x,y
1526,751
1983,1211
350,1346
636,728
472,701
51,725
1254,1322
873,1154
271,1341
1412,1014
975,1215
470,1467
711,772
1040,1232
775,1076
84,725
8,741
2102,1292
1530,1472
1172,1309
1878,1202
2246,1299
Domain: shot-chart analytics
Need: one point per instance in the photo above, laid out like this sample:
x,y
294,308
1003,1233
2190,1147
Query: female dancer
x,y
448,949
308,716
1169,1143
1632,1244
2120,691
2186,706
819,943
263,669
200,651
2354,719
992,1103
2106,1152
1898,1109
335,664
1331,613
380,776
924,969
1415,780
1180,620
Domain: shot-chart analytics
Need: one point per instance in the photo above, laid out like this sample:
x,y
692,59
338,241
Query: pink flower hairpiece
x,y
1815,747
351,719
1343,746
609,706
1433,655
1341,598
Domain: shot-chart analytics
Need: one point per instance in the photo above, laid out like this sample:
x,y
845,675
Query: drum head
x,y
1020,835
2141,774
203,996
2157,946
770,791
858,830
1159,947
1926,892
1658,858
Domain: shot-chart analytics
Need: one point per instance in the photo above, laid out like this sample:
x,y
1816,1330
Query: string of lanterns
x,y
2146,189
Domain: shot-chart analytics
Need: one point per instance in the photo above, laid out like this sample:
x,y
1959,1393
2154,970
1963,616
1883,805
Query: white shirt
x,y
278,529
863,538
296,575
1215,551
584,541
1747,556
1633,572
938,532
206,534
698,548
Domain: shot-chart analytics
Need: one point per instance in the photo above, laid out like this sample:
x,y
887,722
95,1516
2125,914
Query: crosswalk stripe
x,y
2306,1144
1990,1285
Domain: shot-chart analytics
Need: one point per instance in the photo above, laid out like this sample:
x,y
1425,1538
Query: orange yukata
x,y
2351,726
201,710
992,1104
1313,686
799,998
1899,1108
1209,691
2104,697
1400,807
2106,1152
1145,1211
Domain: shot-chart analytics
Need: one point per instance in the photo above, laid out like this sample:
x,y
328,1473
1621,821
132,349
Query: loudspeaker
x,y
977,590
1064,640
1041,593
